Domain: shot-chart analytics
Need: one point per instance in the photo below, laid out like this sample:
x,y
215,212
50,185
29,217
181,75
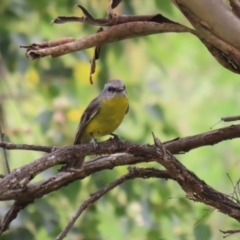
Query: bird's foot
x,y
117,140
95,143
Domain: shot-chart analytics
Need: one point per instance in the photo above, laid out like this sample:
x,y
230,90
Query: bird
x,y
102,117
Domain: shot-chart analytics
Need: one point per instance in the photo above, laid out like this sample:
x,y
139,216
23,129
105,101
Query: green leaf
x,y
202,231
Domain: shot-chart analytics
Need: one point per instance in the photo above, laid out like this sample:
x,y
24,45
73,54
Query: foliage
x,y
175,88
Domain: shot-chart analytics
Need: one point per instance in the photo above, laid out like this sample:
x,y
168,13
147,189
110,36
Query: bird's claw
x,y
117,140
95,144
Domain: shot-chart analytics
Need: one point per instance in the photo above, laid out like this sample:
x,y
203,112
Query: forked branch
x,y
13,186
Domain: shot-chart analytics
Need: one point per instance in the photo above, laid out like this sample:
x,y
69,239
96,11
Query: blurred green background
x,y
175,88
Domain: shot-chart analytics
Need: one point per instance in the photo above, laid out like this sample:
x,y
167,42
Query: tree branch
x,y
133,173
65,154
112,19
17,185
10,183
4,151
13,146
11,215
195,188
226,54
179,145
113,34
218,31
216,16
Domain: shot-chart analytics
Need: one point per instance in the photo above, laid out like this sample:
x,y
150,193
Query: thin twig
x,y
12,146
202,217
227,119
112,19
234,189
4,151
133,173
229,232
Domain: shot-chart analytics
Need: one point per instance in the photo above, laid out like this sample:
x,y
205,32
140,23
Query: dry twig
x,y
4,151
132,174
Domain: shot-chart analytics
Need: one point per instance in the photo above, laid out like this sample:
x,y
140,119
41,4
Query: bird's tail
x,y
75,164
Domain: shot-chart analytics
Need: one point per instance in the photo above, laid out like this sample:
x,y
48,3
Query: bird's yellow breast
x,y
109,116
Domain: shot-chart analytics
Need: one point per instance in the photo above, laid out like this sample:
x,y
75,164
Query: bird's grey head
x,y
114,87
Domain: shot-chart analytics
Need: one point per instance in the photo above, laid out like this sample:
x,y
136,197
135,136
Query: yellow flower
x,y
32,77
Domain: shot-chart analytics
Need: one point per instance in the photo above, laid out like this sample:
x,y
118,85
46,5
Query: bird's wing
x,y
88,114
127,110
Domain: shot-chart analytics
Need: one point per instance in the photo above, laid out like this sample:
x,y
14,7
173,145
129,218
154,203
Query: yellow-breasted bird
x,y
102,116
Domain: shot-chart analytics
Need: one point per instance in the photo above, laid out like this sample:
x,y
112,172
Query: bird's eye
x,y
111,89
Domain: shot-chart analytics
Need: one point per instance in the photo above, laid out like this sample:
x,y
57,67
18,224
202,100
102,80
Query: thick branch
x,y
195,188
176,146
10,185
11,215
204,139
10,182
217,27
217,17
